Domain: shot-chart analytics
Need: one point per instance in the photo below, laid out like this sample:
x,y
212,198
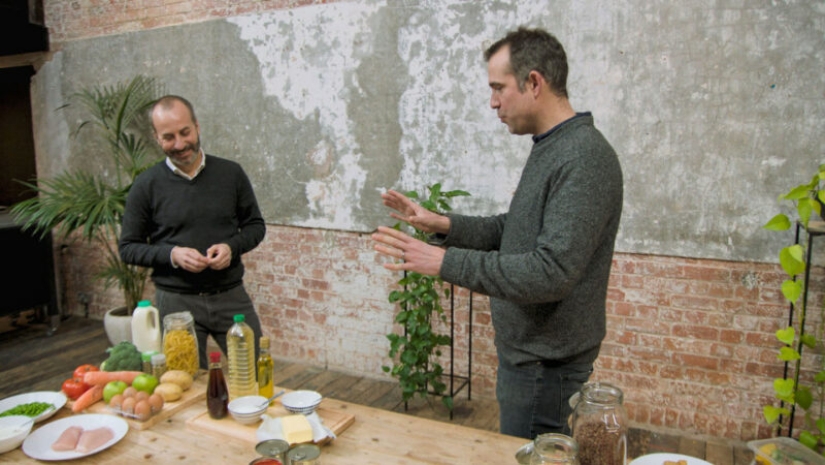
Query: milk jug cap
x,y
238,318
144,303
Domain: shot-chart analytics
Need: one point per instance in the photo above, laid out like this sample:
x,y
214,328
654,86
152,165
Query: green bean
x,y
32,409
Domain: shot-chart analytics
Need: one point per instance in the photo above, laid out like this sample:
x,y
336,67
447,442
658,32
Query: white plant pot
x,y
118,325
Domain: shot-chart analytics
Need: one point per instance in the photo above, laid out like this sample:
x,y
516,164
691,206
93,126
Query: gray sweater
x,y
545,263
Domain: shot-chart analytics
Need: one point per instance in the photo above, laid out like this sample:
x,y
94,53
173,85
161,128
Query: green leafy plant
x,y
89,204
416,351
808,200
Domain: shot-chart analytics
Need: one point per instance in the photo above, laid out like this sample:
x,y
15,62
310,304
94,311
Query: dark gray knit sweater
x,y
164,210
546,262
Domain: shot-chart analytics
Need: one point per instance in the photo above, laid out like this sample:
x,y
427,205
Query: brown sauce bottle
x,y
217,395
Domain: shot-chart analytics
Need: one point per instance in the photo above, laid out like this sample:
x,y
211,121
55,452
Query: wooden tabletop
x,y
375,437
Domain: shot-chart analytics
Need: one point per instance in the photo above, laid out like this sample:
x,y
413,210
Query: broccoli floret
x,y
123,356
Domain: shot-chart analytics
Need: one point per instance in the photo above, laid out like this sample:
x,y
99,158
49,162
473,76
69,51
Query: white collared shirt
x,y
180,173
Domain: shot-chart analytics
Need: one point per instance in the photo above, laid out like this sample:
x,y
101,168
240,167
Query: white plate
x,y
39,444
659,459
56,398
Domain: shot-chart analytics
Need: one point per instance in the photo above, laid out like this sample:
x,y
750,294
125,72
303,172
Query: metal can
x,y
273,448
266,461
304,454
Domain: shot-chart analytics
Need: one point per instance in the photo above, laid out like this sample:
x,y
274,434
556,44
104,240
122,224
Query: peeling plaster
x,y
714,108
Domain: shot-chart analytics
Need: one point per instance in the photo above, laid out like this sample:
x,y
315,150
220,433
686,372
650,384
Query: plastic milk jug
x,y
146,327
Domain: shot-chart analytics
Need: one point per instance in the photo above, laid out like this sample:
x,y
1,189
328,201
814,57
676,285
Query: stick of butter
x,y
296,429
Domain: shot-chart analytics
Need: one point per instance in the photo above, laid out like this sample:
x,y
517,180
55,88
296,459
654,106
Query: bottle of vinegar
x,y
265,368
217,396
240,344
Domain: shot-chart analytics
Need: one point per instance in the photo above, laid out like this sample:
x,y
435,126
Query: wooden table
x,y
375,437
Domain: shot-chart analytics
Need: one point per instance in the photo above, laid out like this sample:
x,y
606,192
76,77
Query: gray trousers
x,y
213,315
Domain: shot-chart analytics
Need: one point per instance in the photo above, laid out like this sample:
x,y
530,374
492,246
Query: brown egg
x,y
156,402
128,405
130,392
141,395
116,401
143,410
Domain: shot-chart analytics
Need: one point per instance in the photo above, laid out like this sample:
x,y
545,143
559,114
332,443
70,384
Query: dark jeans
x,y
213,315
533,397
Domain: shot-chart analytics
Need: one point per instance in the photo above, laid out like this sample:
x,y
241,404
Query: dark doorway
x,y
32,283
17,161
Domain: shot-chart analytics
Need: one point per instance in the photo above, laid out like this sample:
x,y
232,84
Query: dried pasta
x,y
181,350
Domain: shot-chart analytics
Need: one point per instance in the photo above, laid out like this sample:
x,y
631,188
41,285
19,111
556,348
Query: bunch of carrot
x,y
97,380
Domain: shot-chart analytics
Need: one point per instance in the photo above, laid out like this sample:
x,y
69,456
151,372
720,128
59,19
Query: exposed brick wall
x,y
691,342
78,19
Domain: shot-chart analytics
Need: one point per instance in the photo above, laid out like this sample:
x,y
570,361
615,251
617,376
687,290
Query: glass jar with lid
x,y
552,448
180,344
600,425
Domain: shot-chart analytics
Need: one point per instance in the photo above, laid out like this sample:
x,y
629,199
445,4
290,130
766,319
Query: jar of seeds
x,y
600,425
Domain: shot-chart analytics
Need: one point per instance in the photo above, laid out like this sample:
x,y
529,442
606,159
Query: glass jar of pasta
x,y
180,345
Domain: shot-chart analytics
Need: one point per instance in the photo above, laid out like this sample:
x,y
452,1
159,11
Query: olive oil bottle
x,y
265,369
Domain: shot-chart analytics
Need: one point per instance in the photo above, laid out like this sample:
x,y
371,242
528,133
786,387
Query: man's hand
x,y
415,255
189,259
219,255
415,215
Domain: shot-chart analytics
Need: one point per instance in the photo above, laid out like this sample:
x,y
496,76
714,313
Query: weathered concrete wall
x,y
714,107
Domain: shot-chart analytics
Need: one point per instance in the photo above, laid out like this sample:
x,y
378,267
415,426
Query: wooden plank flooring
x,y
31,359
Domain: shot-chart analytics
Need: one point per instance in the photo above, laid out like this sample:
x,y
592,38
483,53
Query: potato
x,y
169,391
179,377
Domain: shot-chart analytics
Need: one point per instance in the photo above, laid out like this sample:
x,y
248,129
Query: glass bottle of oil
x,y
265,369
240,342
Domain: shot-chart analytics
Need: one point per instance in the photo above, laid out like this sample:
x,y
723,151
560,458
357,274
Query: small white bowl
x,y
304,402
248,409
13,430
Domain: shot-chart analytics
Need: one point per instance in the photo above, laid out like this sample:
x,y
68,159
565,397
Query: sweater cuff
x,y
171,262
451,265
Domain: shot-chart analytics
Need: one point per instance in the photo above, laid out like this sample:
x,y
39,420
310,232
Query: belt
x,y
207,292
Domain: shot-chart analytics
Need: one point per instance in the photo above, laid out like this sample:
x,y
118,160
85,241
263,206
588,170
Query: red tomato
x,y
82,369
74,388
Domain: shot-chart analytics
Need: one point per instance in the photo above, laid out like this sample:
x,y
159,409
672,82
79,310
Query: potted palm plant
x,y
88,206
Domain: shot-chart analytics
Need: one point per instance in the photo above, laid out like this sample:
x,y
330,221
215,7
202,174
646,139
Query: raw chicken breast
x,y
91,439
68,439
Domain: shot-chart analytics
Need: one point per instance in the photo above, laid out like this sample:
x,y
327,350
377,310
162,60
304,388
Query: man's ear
x,y
535,81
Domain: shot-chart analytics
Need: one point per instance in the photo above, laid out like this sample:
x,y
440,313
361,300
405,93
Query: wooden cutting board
x,y
190,396
334,419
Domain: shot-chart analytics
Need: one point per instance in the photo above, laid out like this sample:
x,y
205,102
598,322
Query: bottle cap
x,y
238,318
144,303
215,357
264,342
158,359
147,356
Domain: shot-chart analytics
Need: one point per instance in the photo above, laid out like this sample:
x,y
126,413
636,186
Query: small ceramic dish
x,y
248,409
13,430
304,402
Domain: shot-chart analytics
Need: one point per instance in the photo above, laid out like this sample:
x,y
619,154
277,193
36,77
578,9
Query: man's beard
x,y
195,150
